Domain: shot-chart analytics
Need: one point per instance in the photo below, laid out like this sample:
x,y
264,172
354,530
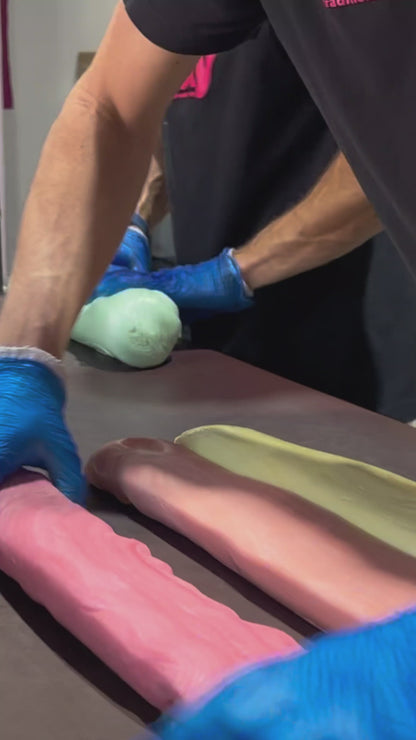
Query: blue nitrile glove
x,y
215,286
134,251
32,428
358,686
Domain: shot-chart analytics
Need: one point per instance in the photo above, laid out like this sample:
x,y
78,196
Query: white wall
x,y
45,38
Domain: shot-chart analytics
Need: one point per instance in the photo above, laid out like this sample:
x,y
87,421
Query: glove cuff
x,y
247,291
34,354
140,223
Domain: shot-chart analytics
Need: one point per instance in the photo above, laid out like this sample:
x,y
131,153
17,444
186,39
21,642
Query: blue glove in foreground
x,y
134,251
32,428
215,286
358,686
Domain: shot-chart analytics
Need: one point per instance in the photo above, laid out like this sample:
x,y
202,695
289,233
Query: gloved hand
x,y
134,251
32,428
358,686
215,286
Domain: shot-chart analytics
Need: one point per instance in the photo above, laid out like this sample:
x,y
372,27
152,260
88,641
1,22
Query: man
x,y
244,143
236,158
358,61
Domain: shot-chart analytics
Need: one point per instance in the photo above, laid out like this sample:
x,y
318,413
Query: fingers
x,y
72,484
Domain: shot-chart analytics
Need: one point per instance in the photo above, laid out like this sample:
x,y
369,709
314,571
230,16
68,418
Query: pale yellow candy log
x,y
136,326
375,501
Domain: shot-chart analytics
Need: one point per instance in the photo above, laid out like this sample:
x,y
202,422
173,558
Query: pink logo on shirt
x,y
343,3
199,82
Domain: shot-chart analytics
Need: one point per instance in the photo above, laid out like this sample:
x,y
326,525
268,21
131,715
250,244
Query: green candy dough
x,y
137,326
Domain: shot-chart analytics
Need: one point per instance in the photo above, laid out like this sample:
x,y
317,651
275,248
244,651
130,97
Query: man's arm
x,y
153,204
331,221
93,164
334,219
134,252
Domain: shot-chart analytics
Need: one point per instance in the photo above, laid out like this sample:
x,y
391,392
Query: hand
x,y
134,251
32,428
358,686
215,286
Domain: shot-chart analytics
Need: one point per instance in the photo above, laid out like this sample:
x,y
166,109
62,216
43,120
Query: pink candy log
x,y
160,634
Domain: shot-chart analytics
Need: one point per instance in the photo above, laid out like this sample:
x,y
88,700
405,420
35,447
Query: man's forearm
x,y
92,167
89,166
153,204
331,221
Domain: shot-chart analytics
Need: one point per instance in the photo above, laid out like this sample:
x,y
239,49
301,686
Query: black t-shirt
x,y
358,59
244,143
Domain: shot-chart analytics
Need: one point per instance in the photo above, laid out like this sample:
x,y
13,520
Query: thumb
x,y
72,485
64,466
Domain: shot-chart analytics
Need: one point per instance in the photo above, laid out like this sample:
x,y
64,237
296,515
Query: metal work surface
x,y
50,685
